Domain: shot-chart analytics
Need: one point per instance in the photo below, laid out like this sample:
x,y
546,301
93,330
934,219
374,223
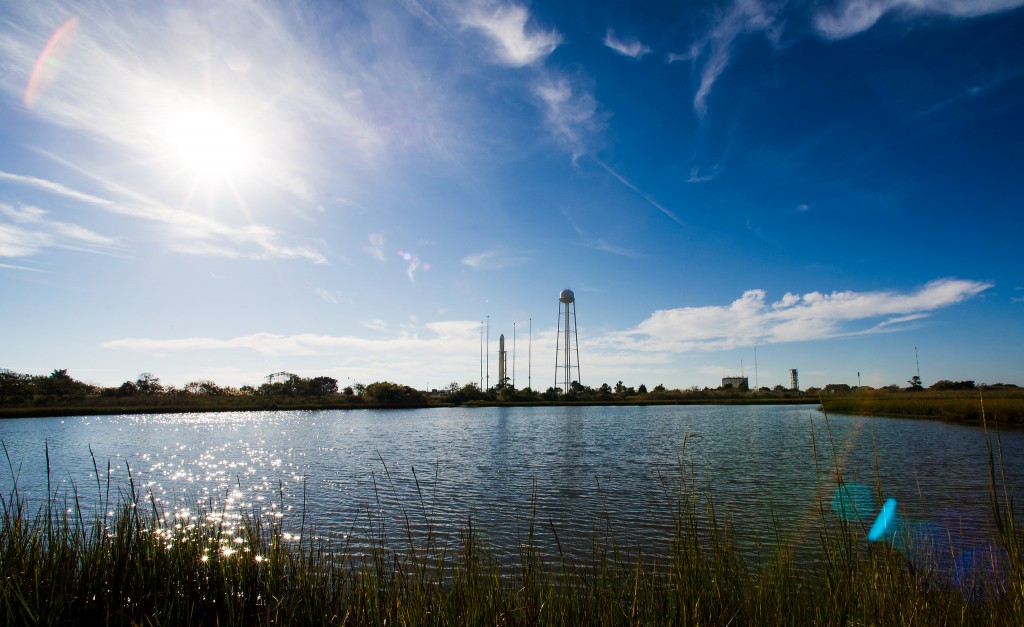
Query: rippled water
x,y
573,469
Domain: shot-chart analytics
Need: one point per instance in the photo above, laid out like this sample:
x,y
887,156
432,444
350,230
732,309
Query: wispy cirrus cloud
x,y
497,259
571,113
632,48
712,53
30,230
847,18
184,231
752,320
515,44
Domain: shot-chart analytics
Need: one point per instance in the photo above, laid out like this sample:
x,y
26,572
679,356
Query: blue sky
x,y
222,190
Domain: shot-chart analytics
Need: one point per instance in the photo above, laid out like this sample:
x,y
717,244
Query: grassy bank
x,y
999,409
140,565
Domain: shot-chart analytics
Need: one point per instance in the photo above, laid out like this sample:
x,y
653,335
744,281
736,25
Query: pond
x,y
574,471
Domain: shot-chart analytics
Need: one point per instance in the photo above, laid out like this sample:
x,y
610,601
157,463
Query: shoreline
x,y
13,413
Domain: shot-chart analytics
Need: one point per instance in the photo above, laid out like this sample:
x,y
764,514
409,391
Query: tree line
x,y
287,390
283,389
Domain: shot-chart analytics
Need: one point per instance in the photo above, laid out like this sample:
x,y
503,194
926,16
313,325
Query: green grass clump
x,y
143,566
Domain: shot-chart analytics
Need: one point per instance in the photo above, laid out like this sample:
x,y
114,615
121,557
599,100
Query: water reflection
x,y
347,474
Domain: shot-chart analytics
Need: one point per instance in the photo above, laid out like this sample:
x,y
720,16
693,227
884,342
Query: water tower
x,y
567,342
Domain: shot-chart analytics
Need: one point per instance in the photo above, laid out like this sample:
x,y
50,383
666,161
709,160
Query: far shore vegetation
x,y
59,394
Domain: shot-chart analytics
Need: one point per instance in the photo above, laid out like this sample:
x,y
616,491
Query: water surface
x,y
574,469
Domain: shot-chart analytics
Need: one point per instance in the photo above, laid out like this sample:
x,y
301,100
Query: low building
x,y
737,383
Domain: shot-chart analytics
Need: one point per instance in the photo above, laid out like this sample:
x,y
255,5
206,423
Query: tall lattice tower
x,y
567,342
794,380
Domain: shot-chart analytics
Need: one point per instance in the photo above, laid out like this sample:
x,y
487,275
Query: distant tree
x,y
468,392
60,385
393,395
13,386
660,389
551,394
321,386
915,383
203,388
953,385
348,391
128,388
148,384
642,389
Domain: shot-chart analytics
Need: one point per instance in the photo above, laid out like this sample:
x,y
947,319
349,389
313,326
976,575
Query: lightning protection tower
x,y
567,342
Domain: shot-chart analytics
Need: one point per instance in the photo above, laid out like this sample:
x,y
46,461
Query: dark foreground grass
x,y
142,566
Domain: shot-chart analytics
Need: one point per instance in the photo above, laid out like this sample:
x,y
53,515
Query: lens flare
x,y
884,520
50,61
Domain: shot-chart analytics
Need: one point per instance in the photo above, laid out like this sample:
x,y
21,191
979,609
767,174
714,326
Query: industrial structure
x,y
739,383
794,380
564,348
502,361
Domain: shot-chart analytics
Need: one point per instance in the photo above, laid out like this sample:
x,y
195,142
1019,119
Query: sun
x,y
208,143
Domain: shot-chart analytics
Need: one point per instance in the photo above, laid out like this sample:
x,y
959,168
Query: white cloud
x,y
751,320
506,27
850,17
496,259
631,48
425,347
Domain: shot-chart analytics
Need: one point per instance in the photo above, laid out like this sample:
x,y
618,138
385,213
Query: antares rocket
x,y
501,359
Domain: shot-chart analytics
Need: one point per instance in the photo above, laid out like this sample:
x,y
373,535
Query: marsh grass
x,y
141,565
1001,409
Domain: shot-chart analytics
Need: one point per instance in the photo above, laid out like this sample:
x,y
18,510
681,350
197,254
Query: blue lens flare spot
x,y
883,521
853,502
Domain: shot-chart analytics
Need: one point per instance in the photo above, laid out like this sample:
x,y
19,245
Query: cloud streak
x,y
185,232
851,17
31,230
752,320
712,53
496,259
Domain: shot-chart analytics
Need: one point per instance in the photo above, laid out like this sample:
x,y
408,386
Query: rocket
x,y
501,359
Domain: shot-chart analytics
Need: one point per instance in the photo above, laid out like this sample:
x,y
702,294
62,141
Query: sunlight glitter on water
x,y
341,473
